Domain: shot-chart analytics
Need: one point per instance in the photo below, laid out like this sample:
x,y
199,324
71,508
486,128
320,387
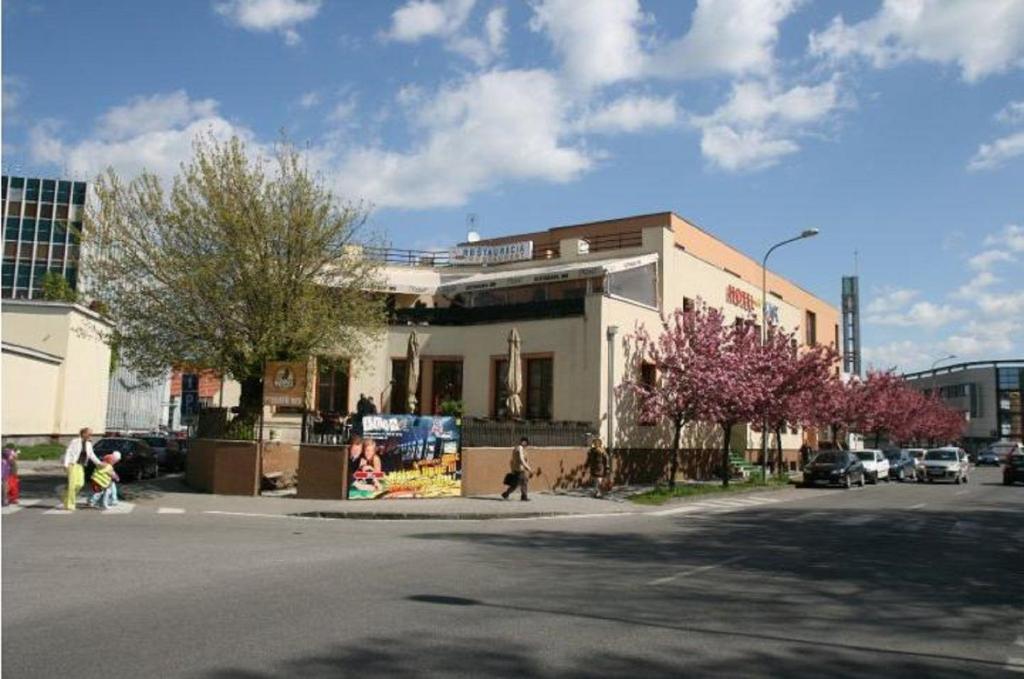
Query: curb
x,y
422,516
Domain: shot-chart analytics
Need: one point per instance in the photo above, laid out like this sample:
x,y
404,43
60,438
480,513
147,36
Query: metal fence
x,y
506,434
555,308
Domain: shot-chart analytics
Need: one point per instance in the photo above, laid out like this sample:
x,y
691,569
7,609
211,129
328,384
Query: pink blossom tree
x,y
880,402
684,355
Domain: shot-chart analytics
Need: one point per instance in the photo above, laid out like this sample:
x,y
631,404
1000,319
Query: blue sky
x,y
896,127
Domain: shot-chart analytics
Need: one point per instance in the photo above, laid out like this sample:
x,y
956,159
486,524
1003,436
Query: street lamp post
x,y
935,377
806,233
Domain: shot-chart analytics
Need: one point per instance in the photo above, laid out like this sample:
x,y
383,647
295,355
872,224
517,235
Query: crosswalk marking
x,y
170,510
11,509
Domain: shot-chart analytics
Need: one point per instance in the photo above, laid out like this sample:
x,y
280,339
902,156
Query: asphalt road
x,y
893,580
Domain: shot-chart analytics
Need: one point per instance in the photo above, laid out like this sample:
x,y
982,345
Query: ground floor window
x,y
446,378
332,387
399,403
499,378
539,388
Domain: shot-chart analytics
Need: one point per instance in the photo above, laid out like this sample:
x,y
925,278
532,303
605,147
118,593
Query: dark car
x,y
1013,471
168,453
138,461
902,465
834,467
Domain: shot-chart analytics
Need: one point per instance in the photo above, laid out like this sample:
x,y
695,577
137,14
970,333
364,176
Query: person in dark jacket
x,y
598,464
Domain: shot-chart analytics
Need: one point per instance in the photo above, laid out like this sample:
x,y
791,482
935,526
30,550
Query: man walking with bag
x,y
520,474
79,452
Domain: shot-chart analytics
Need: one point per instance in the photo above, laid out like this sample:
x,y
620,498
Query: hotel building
x,y
573,293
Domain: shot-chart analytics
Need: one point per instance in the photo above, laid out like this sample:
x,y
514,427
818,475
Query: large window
x,y
648,378
499,379
332,387
446,378
539,388
1009,378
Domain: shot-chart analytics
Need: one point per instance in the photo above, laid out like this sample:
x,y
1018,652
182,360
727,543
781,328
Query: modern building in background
x,y
851,325
42,232
987,392
55,368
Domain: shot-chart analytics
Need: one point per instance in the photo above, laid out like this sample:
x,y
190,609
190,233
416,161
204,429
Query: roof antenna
x,y
472,224
856,263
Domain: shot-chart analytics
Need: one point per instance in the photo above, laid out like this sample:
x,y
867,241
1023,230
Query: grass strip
x,y
663,494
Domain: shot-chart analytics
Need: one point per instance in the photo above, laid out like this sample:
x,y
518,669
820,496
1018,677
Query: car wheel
x,y
847,484
861,481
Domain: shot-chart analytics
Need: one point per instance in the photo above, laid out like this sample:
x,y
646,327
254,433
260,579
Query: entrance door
x,y
446,378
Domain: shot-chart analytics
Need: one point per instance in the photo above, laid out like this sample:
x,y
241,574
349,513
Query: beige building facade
x,y
55,370
579,284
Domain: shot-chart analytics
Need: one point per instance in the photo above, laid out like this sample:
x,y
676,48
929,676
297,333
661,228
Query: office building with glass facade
x,y
42,232
989,393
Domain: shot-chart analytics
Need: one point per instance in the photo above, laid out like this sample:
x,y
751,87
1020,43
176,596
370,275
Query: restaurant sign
x,y
740,298
284,383
492,254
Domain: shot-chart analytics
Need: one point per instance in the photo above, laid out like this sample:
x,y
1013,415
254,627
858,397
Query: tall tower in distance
x,y
851,325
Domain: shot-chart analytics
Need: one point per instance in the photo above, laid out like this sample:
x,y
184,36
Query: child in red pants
x,y
11,489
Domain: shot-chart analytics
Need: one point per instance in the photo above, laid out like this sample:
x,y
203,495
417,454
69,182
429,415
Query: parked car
x,y
988,457
169,455
902,465
834,467
918,455
138,461
1002,451
876,466
1013,472
946,464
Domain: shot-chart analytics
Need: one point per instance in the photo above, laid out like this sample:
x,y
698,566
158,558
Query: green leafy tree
x,y
55,288
245,259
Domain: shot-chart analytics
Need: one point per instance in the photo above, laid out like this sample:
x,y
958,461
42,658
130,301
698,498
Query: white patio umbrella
x,y
514,377
412,360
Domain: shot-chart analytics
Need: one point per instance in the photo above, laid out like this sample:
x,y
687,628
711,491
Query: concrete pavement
x,y
893,580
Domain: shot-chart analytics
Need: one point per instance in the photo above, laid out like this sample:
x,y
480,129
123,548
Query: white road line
x,y
694,571
685,509
1015,664
170,510
961,492
918,506
11,509
58,511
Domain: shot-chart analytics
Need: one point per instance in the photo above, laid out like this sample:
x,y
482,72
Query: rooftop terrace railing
x,y
555,308
400,257
615,241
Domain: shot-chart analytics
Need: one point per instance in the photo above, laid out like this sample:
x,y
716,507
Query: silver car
x,y
946,464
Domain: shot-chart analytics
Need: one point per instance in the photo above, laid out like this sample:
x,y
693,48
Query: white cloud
x,y
985,339
598,40
1002,305
1012,113
344,111
891,300
920,314
631,113
12,90
735,150
500,125
731,37
154,113
309,99
755,127
974,287
903,355
447,20
265,16
420,19
984,260
153,133
996,154
1011,238
981,38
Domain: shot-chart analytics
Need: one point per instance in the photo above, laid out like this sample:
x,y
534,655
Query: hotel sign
x,y
740,298
492,254
284,383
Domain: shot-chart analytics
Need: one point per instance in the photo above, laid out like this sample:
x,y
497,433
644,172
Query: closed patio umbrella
x,y
412,359
514,377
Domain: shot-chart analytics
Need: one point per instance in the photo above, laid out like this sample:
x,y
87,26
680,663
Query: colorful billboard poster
x,y
405,456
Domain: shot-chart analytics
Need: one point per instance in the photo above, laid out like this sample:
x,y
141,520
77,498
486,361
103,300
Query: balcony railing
x,y
557,308
615,241
399,257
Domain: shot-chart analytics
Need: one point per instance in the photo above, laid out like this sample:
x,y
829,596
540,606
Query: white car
x,y
946,464
876,465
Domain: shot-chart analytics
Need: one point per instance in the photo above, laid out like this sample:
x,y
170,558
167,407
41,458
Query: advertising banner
x,y
492,254
284,383
405,456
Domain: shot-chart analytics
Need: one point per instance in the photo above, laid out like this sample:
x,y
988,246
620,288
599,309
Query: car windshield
x,y
943,455
866,455
893,455
828,458
156,441
111,445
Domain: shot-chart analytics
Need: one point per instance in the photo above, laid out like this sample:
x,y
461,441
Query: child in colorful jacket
x,y
104,482
11,488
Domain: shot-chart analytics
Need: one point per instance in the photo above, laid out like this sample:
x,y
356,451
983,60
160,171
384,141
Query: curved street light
x,y
806,233
940,360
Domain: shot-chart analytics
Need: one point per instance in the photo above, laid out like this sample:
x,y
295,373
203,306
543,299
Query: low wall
x,y
323,472
223,467
483,469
